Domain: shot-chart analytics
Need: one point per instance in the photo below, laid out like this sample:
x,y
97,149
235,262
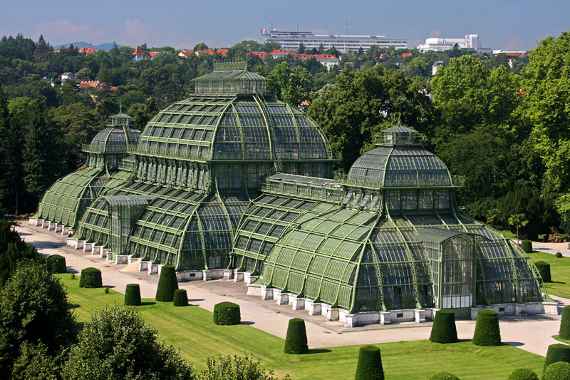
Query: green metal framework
x,y
199,162
66,200
387,238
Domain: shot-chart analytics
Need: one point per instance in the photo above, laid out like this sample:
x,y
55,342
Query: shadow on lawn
x,y
318,351
556,282
248,323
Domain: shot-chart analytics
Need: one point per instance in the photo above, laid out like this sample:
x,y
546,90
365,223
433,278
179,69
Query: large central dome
x,y
399,161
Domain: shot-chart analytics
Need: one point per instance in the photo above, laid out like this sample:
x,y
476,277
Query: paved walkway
x,y
533,335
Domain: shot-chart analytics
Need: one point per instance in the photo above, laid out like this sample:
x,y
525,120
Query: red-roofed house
x,y
87,50
185,53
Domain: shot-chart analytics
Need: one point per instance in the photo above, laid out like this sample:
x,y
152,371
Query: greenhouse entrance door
x,y
458,272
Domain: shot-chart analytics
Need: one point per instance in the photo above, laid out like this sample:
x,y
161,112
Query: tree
x,y
518,221
35,363
235,368
117,344
200,46
359,104
11,186
33,309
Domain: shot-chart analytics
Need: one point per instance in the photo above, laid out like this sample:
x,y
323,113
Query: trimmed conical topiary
x,y
56,264
227,313
133,295
444,376
296,339
557,371
557,353
544,270
443,329
180,297
369,365
167,284
523,374
564,332
90,278
487,330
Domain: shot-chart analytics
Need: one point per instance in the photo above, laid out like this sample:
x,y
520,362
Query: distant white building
x,y
66,76
470,41
343,43
436,67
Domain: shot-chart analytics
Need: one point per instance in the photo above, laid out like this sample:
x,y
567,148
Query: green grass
x,y
192,331
560,270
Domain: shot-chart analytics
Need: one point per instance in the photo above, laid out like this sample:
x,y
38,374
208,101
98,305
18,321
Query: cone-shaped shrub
x,y
526,246
523,374
557,353
444,376
296,340
180,297
564,332
557,371
227,313
133,295
369,365
167,284
56,264
443,329
90,278
544,270
487,331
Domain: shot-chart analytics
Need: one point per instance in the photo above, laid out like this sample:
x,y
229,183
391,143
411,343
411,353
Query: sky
x,y
501,24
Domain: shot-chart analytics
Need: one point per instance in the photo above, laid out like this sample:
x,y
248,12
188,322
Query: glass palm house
x,y
231,180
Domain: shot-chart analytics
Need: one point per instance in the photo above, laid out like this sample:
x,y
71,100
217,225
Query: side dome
x,y
116,138
399,161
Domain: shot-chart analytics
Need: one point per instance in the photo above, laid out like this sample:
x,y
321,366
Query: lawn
x,y
560,271
191,330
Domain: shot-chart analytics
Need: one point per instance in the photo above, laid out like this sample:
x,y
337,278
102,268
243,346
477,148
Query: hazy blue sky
x,y
512,24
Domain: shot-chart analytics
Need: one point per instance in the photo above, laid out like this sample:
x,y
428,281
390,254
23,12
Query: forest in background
x,y
504,130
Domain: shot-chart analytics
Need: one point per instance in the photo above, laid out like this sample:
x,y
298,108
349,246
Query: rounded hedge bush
x,y
523,374
557,371
544,270
296,339
487,331
133,295
180,297
167,284
564,331
443,329
56,264
227,313
444,376
90,278
369,365
526,246
557,353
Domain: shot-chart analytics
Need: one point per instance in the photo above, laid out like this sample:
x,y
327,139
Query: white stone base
x,y
143,266
330,313
238,276
359,319
254,290
266,293
296,302
314,308
385,317
34,222
153,268
121,259
88,247
280,297
248,278
212,274
228,274
189,275
73,243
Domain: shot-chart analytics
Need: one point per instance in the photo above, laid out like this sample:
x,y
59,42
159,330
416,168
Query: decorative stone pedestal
x,y
143,266
121,259
385,317
74,243
254,290
238,276
152,268
296,302
88,247
420,315
228,274
248,278
266,293
330,313
280,297
314,308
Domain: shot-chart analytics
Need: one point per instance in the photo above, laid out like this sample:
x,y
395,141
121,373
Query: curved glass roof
x,y
205,128
113,140
399,161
